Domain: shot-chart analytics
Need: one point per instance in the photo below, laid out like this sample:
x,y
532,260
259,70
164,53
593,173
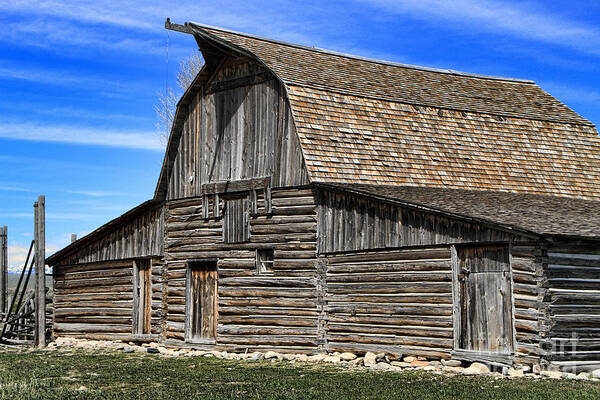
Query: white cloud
x,y
519,19
97,193
16,258
569,93
11,188
70,79
82,135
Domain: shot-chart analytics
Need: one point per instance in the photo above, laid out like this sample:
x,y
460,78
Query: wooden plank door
x,y
142,297
485,300
201,304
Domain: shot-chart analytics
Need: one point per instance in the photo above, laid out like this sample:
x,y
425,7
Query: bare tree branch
x,y
167,100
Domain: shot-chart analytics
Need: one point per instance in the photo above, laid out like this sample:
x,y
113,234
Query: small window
x,y
264,261
236,220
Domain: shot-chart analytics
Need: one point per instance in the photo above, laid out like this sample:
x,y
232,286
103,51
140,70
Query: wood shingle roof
x,y
372,122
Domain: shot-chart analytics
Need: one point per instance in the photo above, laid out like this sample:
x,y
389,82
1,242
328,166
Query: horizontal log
x,y
413,320
399,266
392,255
91,328
267,320
399,277
390,309
265,330
408,330
406,298
273,340
259,281
373,288
237,292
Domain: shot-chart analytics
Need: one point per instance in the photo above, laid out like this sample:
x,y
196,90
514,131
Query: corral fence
x,y
25,314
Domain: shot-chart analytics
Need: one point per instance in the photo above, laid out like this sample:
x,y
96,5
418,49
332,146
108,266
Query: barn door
x,y
485,315
201,303
142,296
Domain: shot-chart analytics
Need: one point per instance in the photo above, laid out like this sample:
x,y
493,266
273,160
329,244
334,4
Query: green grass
x,y
60,375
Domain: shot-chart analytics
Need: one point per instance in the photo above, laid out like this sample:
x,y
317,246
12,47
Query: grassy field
x,y
80,375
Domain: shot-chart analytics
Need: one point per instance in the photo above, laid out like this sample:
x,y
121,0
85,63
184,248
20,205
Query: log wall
x,y
238,126
95,300
256,311
350,222
571,284
398,301
527,274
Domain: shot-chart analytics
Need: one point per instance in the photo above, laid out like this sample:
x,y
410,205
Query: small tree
x,y
167,101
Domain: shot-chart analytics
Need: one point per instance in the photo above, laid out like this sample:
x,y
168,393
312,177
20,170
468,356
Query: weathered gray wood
x,y
40,271
485,296
353,222
3,270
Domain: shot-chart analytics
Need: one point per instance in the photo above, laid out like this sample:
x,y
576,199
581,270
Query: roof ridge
x,y
367,59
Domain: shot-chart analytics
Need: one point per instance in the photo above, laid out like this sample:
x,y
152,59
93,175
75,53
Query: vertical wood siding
x,y
238,130
395,301
141,236
349,222
257,311
96,300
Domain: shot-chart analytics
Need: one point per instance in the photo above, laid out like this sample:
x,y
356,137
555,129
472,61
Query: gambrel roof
x,y
374,122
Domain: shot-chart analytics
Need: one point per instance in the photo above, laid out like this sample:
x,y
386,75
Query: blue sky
x,y
78,80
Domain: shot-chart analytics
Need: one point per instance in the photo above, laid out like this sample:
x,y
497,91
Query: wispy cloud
x,y
10,188
568,93
82,135
97,193
71,79
519,19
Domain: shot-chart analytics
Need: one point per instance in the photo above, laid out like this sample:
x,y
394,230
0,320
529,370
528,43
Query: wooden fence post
x,y
40,272
3,269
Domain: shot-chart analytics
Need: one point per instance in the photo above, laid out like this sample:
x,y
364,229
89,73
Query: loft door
x,y
142,297
201,303
485,299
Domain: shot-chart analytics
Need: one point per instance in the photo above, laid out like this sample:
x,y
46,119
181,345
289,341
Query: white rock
x,y
271,354
595,373
370,359
452,363
583,375
302,357
515,373
347,356
430,368
257,356
287,357
552,374
332,359
569,375
65,341
381,366
453,370
476,369
400,364
409,359
356,362
317,357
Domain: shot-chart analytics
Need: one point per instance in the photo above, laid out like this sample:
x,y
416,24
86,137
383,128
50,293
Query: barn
x,y
311,201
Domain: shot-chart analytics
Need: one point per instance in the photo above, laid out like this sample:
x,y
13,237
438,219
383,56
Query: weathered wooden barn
x,y
314,201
